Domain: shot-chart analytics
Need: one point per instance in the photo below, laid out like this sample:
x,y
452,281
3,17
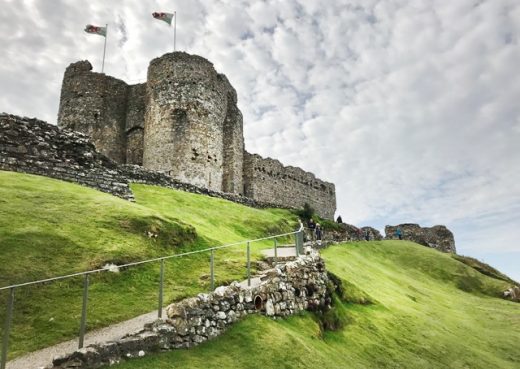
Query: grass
x,y
49,228
219,220
402,306
484,268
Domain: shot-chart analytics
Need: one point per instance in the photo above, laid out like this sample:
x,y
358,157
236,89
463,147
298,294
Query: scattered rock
x,y
512,293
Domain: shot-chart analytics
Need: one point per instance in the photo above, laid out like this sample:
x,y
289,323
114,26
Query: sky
x,y
411,107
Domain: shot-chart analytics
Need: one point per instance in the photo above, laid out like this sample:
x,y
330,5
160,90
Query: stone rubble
x,y
437,237
512,293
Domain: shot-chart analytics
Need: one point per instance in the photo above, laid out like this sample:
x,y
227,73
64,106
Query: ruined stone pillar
x,y
232,180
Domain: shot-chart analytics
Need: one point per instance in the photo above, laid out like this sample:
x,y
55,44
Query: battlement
x,y
269,181
185,122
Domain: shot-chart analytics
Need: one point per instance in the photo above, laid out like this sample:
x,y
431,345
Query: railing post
x,y
212,269
83,324
7,327
275,250
296,244
161,290
248,264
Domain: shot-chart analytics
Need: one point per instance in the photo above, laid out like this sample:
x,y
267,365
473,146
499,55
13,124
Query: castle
x,y
184,122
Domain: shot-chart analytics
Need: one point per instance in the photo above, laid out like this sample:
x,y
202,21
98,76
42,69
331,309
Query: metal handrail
x,y
83,322
146,261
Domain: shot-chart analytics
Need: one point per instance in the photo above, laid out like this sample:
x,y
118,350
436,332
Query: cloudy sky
x,y
411,107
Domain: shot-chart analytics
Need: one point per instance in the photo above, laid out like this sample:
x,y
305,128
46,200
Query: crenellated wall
x,y
267,180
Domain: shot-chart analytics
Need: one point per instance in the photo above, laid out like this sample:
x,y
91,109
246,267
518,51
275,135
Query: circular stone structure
x,y
184,119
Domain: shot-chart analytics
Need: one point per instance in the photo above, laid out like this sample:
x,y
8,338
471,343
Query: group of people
x,y
316,231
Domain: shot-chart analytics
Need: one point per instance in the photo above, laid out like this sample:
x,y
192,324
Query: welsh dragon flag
x,y
167,17
102,31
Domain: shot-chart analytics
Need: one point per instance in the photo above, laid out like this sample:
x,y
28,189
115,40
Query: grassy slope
x,y
50,227
429,311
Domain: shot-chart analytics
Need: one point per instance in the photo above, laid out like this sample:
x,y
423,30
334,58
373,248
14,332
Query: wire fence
x,y
10,308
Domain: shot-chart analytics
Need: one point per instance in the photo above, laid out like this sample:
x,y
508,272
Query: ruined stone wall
x,y
233,144
438,237
95,104
267,180
36,147
134,124
373,234
184,120
283,291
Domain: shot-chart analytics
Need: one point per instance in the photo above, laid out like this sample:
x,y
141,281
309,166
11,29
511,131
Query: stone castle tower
x,y
183,121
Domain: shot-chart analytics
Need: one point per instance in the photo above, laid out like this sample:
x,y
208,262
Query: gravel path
x,y
283,252
41,358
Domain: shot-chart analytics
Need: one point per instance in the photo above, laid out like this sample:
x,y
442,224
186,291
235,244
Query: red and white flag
x,y
166,17
96,30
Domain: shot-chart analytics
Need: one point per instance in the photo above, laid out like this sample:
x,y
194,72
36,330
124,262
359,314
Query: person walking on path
x,y
318,234
312,228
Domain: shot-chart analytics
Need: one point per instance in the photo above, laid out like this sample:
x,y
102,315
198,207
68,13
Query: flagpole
x,y
104,49
174,30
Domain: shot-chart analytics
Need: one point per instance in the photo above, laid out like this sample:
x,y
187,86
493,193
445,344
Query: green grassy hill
x,y
50,227
403,306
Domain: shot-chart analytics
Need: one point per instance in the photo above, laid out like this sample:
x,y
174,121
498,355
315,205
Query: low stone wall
x,y
36,147
267,180
283,291
438,237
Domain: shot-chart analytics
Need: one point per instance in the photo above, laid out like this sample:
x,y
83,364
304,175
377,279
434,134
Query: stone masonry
x,y
283,291
438,237
32,146
267,179
185,122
